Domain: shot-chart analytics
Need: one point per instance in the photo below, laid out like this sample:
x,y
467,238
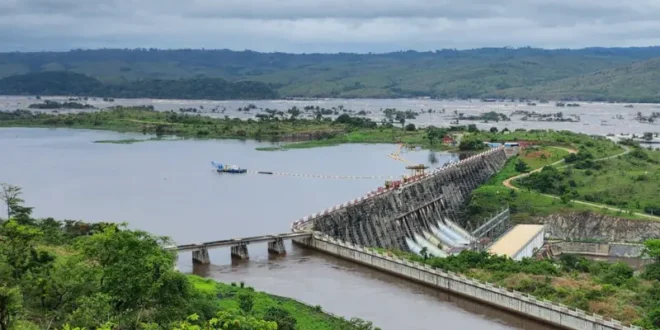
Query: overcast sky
x,y
326,25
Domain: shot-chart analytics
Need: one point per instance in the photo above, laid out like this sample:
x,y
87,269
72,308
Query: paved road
x,y
507,183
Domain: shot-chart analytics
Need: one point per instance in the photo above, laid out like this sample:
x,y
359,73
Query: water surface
x,y
168,188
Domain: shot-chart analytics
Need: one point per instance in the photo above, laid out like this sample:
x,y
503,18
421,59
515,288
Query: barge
x,y
225,168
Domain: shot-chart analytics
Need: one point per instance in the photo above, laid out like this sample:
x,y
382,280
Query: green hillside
x,y
444,73
637,82
70,83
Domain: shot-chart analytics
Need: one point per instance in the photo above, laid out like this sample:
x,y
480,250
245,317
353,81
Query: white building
x,y
520,242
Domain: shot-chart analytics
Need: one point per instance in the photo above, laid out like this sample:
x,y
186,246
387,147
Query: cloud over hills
x,y
325,25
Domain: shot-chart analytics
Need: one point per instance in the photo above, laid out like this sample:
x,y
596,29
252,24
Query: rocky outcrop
x,y
584,226
387,218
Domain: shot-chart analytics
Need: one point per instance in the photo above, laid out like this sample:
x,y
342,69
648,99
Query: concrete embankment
x,y
385,217
515,302
616,250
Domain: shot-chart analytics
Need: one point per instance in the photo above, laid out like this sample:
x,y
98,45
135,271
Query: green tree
x,y
246,301
282,317
226,320
19,246
433,134
92,311
10,306
521,166
401,118
358,324
11,195
60,283
137,273
293,113
493,129
471,144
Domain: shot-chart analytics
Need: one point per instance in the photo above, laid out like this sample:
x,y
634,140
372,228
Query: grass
x,y
527,203
307,317
630,182
598,147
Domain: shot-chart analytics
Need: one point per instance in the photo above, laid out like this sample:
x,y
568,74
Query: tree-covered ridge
x,y
73,275
444,73
71,83
636,82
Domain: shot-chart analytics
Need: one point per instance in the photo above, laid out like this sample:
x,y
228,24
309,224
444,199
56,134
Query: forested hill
x,y
523,72
70,83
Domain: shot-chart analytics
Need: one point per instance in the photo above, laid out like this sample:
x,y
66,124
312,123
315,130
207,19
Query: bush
x,y
282,317
617,274
521,166
410,127
471,144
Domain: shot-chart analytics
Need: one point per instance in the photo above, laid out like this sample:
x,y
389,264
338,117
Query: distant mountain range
x,y
602,74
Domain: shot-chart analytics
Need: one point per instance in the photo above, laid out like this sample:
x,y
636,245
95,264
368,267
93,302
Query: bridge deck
x,y
238,241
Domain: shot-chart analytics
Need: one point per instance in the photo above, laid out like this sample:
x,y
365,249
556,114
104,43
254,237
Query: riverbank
x,y
68,273
299,133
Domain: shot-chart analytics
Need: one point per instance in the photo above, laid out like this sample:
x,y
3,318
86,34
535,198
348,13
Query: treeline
x,y
75,276
71,83
446,73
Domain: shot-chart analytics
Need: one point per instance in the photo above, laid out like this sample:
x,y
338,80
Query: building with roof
x,y
520,242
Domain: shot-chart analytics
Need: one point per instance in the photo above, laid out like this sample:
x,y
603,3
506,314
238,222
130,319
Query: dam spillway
x,y
385,219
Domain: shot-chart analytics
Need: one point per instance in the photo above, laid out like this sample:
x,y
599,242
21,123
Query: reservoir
x,y
168,188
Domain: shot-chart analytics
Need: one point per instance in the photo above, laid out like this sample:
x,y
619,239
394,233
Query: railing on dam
x,y
238,246
513,301
306,223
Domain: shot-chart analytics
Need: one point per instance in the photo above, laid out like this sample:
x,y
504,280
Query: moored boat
x,y
225,168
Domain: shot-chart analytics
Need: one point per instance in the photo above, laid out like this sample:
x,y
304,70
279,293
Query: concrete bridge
x,y
200,252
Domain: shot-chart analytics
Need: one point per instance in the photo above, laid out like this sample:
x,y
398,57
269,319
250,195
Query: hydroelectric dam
x,y
390,217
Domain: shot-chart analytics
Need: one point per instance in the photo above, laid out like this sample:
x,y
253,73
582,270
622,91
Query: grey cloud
x,y
326,25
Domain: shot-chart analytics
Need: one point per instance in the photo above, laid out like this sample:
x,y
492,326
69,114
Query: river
x,y
168,188
594,117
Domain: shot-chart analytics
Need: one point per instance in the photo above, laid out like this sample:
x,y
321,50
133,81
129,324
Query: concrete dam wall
x,y
384,218
512,301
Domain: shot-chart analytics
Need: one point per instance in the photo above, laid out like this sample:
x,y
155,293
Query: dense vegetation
x,y
73,275
70,83
47,104
524,72
629,182
631,83
609,289
493,195
271,125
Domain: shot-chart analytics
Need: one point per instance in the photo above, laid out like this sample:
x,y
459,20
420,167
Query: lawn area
x,y
599,147
307,317
525,203
630,182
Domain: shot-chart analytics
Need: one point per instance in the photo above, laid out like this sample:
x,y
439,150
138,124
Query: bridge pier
x,y
201,256
277,246
240,251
